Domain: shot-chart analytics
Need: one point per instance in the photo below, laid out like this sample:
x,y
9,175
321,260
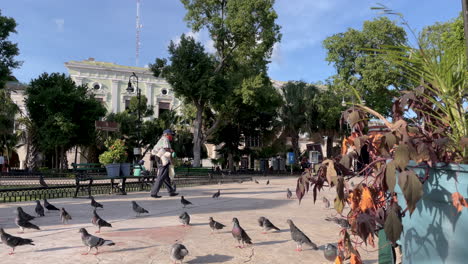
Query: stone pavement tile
x,y
147,239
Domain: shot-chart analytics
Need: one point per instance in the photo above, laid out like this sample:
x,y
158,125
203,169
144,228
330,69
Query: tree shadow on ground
x,y
57,249
216,258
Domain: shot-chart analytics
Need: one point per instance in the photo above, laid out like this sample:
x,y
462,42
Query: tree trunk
x,y
329,145
197,137
231,162
295,145
56,158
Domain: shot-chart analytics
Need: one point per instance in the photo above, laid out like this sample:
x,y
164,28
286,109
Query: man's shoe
x,y
156,196
174,194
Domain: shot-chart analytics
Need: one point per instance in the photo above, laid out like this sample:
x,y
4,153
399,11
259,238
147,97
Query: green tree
x,y
375,79
63,113
8,50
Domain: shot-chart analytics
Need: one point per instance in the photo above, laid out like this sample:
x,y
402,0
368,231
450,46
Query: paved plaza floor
x,y
147,239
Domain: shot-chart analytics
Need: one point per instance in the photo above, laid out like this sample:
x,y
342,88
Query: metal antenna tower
x,y
138,29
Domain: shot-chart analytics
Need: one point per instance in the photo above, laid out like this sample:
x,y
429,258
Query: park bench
x,y
92,172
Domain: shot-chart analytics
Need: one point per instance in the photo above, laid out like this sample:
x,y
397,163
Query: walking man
x,y
163,152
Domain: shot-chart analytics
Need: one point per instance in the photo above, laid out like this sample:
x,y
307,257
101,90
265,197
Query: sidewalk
x,y
147,239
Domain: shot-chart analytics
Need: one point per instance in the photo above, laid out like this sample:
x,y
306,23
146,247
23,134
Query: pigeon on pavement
x,y
343,223
95,204
99,222
215,225
217,194
39,209
49,206
239,234
138,209
330,252
266,224
23,223
300,237
268,182
184,202
93,241
25,215
42,182
178,252
13,241
184,218
326,202
289,194
64,216
256,182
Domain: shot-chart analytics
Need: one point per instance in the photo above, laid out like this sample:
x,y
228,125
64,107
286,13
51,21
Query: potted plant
x,y
413,188
113,157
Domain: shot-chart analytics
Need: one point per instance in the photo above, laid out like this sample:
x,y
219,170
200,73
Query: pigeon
x,y
39,209
289,194
95,204
42,182
184,218
178,252
215,225
93,241
300,237
330,252
99,222
352,184
217,194
343,223
23,223
184,202
268,182
64,216
13,241
50,207
256,182
24,215
239,234
326,203
138,209
266,224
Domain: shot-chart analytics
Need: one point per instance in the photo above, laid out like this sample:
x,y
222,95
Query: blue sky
x,y
51,32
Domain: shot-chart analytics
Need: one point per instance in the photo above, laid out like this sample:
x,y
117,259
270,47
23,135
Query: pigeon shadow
x,y
266,243
130,229
216,258
56,249
131,249
199,224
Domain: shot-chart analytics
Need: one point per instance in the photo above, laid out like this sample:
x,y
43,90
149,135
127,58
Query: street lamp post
x,y
131,89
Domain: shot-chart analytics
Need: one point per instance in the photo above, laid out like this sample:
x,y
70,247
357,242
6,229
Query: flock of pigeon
x,y
178,251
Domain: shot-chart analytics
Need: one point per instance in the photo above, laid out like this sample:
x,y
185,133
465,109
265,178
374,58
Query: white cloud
x,y
276,54
194,35
60,24
201,36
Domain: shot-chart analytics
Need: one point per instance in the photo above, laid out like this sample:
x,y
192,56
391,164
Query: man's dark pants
x,y
163,177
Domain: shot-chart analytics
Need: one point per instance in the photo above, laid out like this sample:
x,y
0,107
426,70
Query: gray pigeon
x,y
64,216
93,241
326,202
266,224
184,202
39,209
95,204
13,241
217,194
256,182
178,252
289,194
239,234
330,252
138,209
25,215
23,223
300,237
341,222
184,218
215,225
42,182
49,206
99,222
268,182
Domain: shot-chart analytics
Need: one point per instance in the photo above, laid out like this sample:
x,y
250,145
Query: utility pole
x,y
465,25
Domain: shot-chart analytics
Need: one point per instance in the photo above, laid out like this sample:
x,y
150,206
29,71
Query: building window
x,y
164,91
101,100
163,107
127,103
97,86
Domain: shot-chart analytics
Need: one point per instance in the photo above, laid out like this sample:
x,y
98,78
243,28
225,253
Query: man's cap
x,y
168,131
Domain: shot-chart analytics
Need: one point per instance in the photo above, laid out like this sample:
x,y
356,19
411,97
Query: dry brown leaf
x,y
366,200
459,201
338,260
355,259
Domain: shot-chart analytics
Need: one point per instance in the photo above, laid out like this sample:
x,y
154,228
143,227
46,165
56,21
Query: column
x,y
78,81
115,96
149,96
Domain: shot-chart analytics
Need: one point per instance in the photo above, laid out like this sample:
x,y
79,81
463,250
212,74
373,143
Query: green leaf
x,y
346,161
339,205
412,189
390,140
402,156
354,118
390,178
340,188
393,226
331,173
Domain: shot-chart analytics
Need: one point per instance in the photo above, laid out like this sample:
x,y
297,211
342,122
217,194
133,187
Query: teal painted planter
x,y
113,170
436,232
125,169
